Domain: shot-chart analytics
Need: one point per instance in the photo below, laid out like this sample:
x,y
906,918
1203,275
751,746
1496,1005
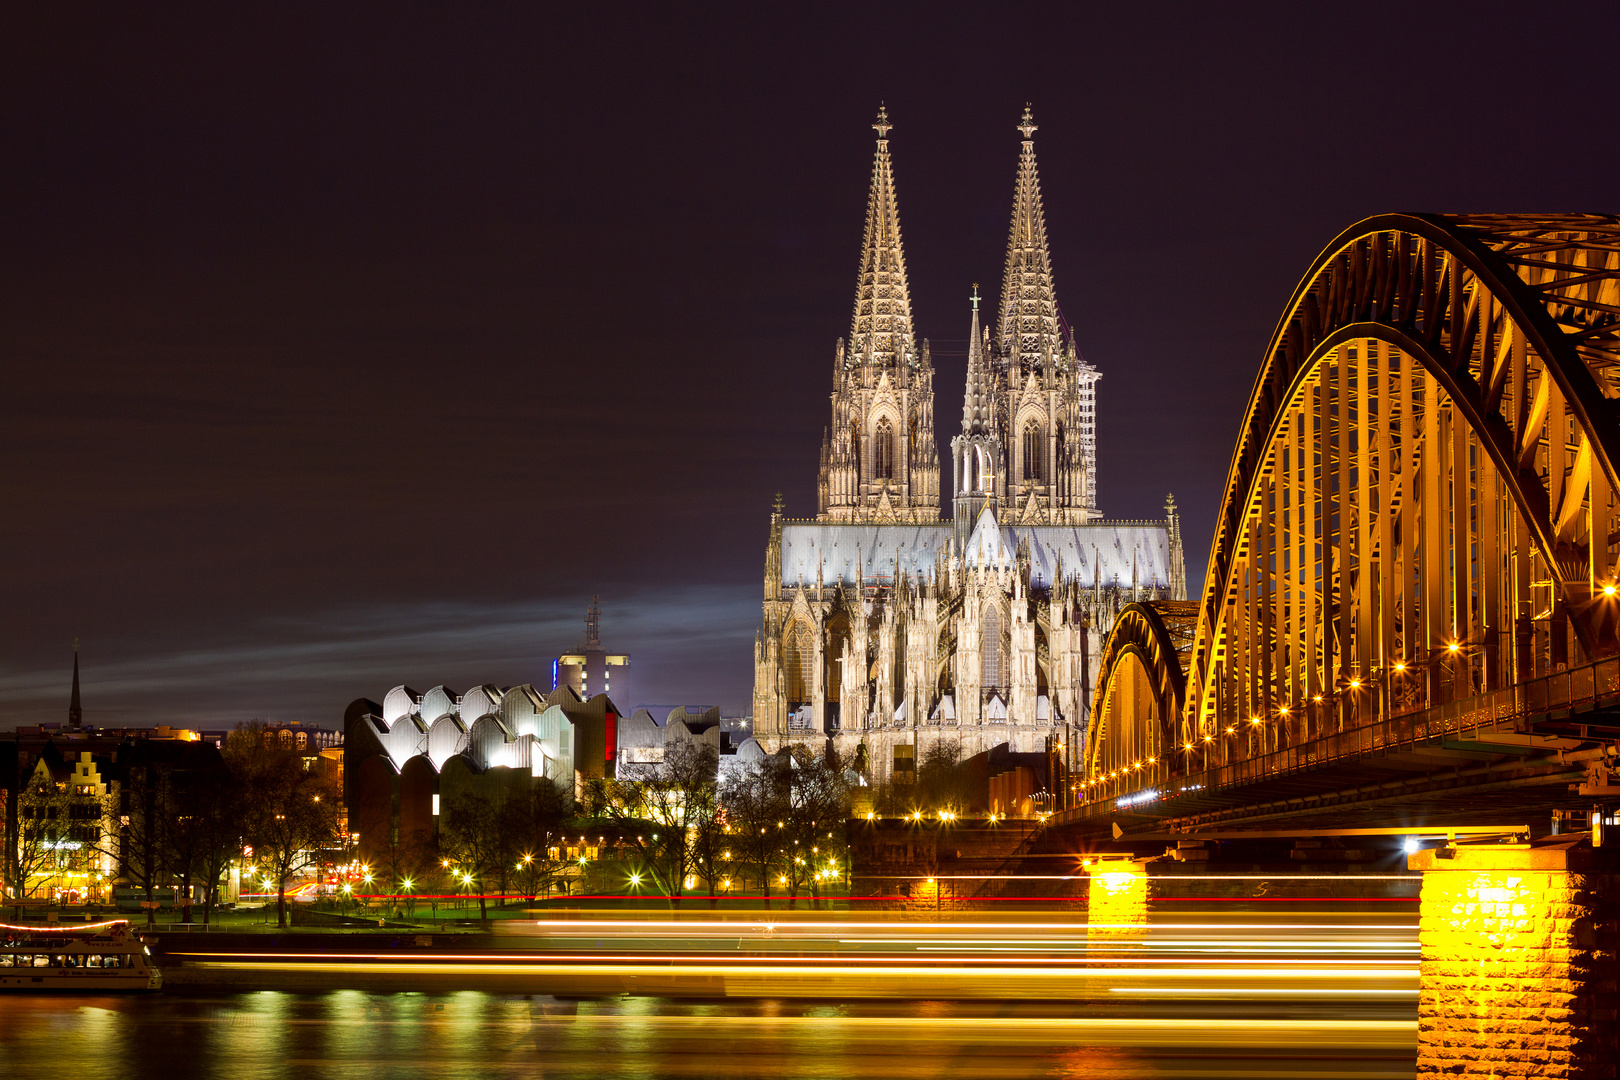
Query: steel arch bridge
x,y
1417,543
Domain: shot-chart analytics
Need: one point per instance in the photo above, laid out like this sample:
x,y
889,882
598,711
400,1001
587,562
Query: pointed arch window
x,y
1034,451
799,659
883,451
993,644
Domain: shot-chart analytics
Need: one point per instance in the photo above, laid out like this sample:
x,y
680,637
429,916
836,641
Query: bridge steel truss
x,y
1420,509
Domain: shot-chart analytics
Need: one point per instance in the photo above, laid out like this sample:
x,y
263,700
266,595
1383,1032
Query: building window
x,y
1034,451
883,451
799,660
994,649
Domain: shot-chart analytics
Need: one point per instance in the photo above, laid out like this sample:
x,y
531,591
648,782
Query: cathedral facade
x,y
888,626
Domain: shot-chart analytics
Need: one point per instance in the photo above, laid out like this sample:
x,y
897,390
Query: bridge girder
x,y
1421,503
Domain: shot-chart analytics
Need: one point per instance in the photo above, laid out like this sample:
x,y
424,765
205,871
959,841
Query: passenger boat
x,y
97,957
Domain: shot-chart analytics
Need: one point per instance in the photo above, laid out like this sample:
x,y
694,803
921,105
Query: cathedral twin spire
x,y
879,458
1028,329
881,327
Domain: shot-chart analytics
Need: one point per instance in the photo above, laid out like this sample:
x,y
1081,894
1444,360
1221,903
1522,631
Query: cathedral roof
x,y
882,322
846,554
1029,316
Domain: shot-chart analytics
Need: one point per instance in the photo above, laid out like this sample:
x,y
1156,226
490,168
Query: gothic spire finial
x,y
1027,125
882,127
882,328
976,399
1029,322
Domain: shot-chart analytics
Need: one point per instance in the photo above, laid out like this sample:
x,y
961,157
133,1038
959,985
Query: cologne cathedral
x,y
886,624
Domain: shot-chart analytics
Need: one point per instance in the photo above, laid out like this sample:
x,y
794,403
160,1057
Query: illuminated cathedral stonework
x,y
887,627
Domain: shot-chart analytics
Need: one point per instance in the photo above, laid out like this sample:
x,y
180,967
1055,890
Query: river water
x,y
361,1035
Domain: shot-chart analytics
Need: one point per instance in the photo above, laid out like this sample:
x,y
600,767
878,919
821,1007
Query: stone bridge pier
x,y
1519,966
1117,892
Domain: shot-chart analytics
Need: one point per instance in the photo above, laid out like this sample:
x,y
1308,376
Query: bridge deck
x,y
1505,757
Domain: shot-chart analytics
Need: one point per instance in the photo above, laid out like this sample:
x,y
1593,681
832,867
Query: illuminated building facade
x,y
886,626
401,756
591,669
65,818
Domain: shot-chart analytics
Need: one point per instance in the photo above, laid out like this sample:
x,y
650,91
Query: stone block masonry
x,y
1519,960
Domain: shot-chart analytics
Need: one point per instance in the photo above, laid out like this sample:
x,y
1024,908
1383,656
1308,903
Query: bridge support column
x,y
1519,966
1117,899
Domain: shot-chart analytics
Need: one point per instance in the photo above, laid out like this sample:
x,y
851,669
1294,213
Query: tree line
x,y
678,828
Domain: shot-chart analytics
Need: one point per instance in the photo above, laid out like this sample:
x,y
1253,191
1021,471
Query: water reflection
x,y
470,1033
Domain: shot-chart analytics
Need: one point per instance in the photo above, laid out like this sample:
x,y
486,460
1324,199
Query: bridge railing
x,y
1585,686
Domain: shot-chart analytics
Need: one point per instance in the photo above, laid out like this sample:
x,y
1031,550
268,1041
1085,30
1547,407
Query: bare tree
x,y
756,804
532,825
406,860
207,829
662,805
818,806
943,780
144,819
290,806
471,838
42,830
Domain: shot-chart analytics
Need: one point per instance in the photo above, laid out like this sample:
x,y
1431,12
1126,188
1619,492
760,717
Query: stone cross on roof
x,y
882,126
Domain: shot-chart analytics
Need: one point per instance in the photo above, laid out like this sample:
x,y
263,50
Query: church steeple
x,y
976,454
978,402
75,711
882,321
879,460
1028,326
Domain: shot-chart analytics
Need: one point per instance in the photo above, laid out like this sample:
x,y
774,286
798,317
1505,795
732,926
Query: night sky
x,y
345,347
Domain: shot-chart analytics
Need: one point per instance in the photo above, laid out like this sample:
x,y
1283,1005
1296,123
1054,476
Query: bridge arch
x,y
1421,503
1420,506
1136,718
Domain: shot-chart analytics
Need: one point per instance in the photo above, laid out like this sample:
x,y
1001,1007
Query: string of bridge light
x,y
1353,684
